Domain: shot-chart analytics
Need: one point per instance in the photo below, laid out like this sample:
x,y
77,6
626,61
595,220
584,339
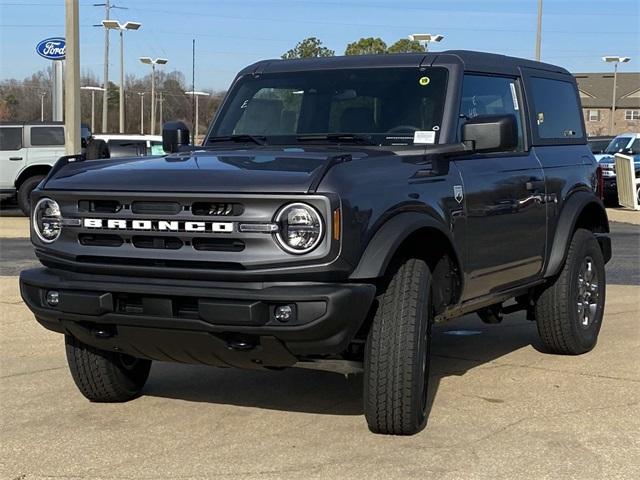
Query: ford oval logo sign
x,y
52,48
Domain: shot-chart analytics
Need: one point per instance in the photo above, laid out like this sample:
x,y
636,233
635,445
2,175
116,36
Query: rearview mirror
x,y
174,136
491,133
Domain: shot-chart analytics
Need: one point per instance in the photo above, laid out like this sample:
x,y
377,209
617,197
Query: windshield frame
x,y
336,138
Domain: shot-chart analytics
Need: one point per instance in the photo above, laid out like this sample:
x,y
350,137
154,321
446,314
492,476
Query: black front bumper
x,y
214,323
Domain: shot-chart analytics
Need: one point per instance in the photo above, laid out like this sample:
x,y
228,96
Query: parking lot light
x,y
153,63
121,27
424,39
615,60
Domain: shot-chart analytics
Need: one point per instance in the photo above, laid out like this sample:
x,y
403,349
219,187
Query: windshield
x,y
382,106
617,145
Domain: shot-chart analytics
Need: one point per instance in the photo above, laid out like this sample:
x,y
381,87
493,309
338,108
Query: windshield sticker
x,y
424,136
424,81
514,95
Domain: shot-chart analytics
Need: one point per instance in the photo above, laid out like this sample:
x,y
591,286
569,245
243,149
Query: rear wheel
x,y
103,376
398,352
24,192
569,311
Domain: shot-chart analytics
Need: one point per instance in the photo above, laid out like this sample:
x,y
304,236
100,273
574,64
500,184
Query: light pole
x,y
93,91
615,60
153,63
115,25
539,31
160,101
105,76
141,112
197,95
424,39
42,95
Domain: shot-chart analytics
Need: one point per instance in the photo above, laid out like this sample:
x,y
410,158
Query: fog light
x,y
283,313
53,298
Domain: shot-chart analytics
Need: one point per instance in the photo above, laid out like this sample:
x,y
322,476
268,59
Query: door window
x,y
47,136
556,109
10,138
485,95
127,148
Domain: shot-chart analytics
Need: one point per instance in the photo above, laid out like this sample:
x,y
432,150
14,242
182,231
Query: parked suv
x,y
336,209
625,144
29,150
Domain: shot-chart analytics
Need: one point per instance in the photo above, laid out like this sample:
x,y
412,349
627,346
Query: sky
x,y
231,34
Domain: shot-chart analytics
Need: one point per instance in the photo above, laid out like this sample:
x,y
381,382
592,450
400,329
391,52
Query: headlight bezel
x,y
35,210
281,234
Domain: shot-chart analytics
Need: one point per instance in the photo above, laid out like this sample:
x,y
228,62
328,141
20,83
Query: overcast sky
x,y
233,33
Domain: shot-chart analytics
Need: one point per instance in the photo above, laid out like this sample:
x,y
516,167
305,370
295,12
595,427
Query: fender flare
x,y
566,224
388,238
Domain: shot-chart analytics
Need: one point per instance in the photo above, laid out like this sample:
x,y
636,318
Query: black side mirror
x,y
174,136
491,133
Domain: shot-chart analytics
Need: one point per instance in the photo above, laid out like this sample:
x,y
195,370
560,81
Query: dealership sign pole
x,y
54,49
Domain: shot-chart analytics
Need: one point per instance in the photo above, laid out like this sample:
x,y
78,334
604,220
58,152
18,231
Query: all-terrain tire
x,y
562,324
104,376
24,192
396,368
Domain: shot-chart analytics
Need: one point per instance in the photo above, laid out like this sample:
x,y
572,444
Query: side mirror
x,y
491,133
174,136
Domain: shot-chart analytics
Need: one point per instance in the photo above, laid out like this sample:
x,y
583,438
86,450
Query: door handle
x,y
15,158
535,185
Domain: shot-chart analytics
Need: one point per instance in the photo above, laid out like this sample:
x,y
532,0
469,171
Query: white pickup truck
x,y
29,150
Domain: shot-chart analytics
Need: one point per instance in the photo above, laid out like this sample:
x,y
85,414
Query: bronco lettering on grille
x,y
158,225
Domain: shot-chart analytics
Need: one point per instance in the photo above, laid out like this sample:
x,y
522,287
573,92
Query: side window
x,y
47,136
555,109
156,148
484,95
10,138
127,148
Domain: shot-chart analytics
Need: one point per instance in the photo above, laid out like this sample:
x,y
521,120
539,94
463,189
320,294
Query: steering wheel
x,y
403,129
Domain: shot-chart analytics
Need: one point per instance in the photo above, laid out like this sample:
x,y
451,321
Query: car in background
x,y
625,144
599,144
125,145
28,150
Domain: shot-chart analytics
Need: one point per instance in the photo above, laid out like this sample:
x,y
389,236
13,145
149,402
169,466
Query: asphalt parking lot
x,y
500,408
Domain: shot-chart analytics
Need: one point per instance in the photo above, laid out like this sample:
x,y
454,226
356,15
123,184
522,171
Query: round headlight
x,y
47,221
301,228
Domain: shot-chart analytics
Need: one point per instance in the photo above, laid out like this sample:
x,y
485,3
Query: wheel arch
x,y
581,210
406,235
30,171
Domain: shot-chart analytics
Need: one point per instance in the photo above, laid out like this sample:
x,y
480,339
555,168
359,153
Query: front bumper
x,y
214,323
610,186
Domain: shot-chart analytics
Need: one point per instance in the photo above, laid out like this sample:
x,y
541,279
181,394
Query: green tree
x,y
366,46
405,46
309,47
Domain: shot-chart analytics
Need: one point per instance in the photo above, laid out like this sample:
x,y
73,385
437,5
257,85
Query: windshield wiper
x,y
338,137
243,138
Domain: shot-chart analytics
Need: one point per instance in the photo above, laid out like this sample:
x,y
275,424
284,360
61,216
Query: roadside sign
x,y
52,48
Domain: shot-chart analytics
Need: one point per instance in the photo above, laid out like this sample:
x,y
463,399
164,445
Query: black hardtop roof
x,y
471,61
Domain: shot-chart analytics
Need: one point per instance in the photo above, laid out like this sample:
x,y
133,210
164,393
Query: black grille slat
x,y
218,244
99,206
160,243
217,209
100,240
156,208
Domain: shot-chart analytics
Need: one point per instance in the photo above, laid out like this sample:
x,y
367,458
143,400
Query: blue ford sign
x,y
52,48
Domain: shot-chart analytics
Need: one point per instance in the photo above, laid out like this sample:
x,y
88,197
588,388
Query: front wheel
x,y
569,311
396,366
104,376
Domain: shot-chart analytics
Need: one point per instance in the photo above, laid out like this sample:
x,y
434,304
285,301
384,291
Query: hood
x,y
286,170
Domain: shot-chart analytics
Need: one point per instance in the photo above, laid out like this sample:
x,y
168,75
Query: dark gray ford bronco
x,y
336,209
